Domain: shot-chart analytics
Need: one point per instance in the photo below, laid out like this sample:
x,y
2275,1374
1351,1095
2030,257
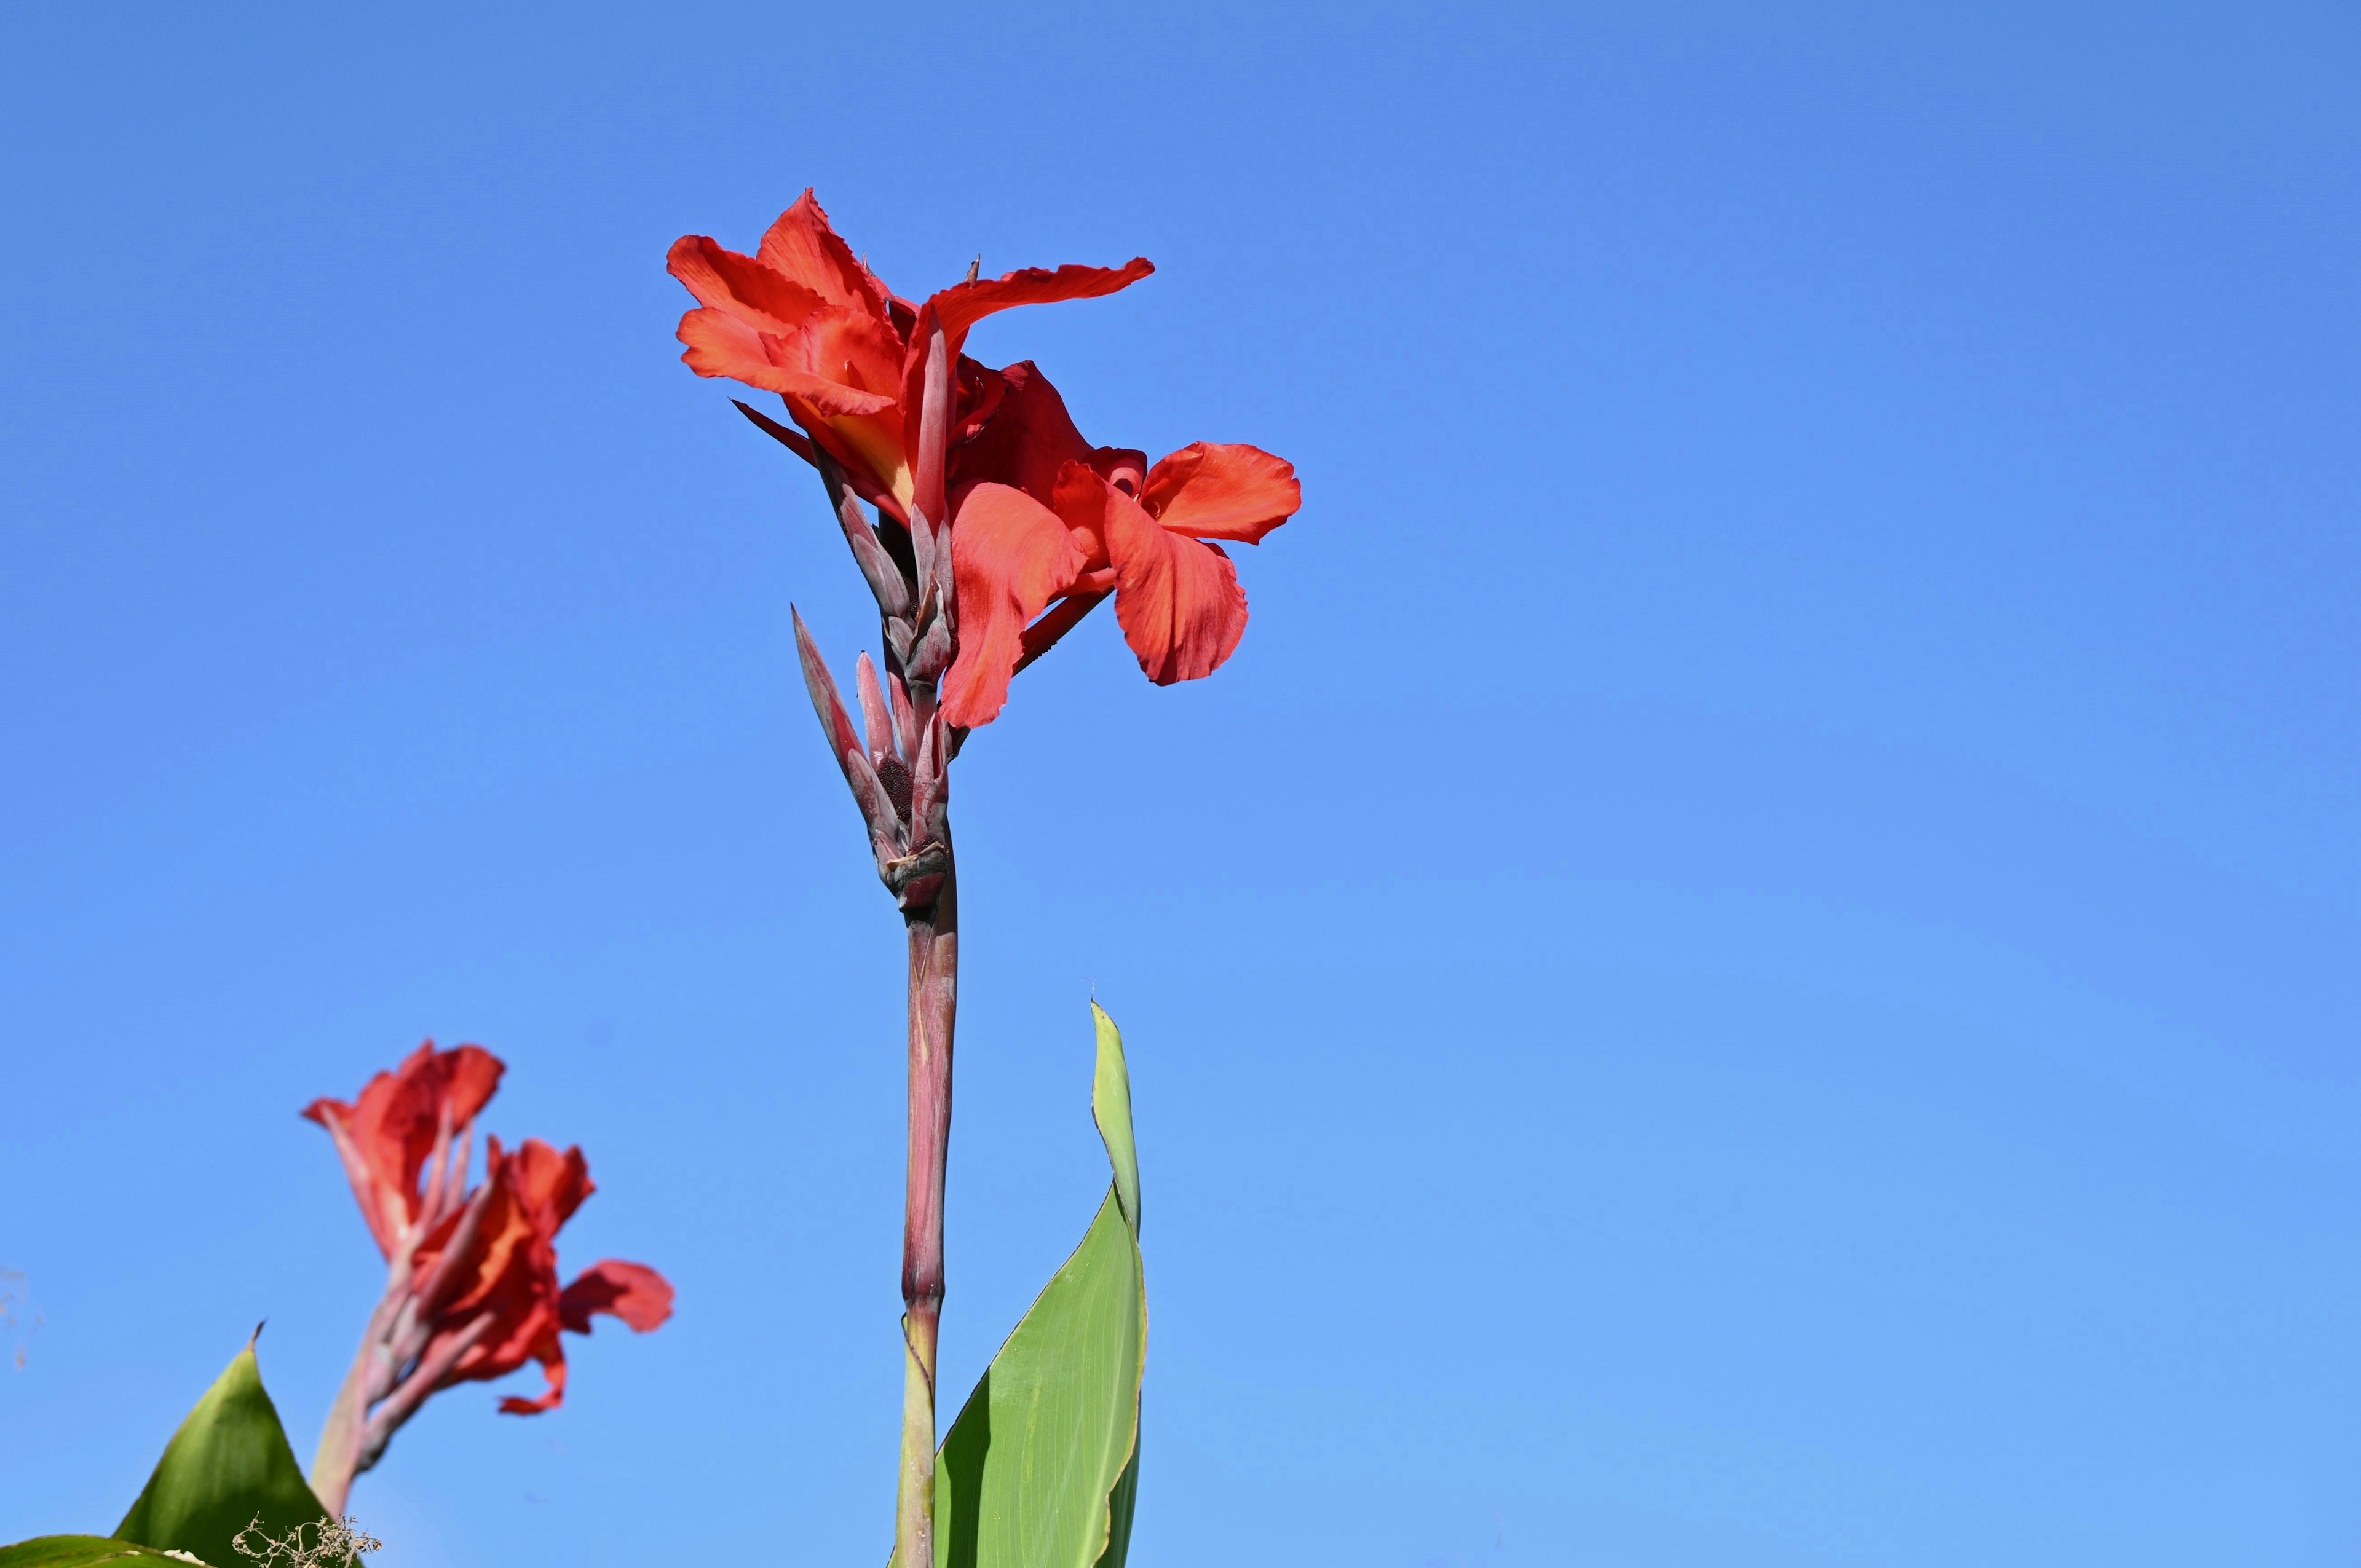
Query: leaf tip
x,y
1111,1109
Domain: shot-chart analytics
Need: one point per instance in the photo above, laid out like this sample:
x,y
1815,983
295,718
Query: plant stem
x,y
338,1459
934,996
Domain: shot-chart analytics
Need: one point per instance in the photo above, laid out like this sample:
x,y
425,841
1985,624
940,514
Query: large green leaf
x,y
227,1465
1041,1468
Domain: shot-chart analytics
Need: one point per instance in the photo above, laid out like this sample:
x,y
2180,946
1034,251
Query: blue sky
x,y
1753,962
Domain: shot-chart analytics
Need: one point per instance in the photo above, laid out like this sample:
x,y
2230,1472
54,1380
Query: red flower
x,y
472,1288
802,317
1026,527
1062,520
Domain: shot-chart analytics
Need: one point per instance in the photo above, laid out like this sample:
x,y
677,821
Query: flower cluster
x,y
472,1288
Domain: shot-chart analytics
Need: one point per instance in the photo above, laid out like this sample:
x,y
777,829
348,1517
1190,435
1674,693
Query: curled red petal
x,y
552,1396
1222,490
327,1112
1178,601
631,1291
962,305
1011,556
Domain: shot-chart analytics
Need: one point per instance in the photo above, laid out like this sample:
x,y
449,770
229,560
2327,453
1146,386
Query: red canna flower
x,y
471,1287
802,317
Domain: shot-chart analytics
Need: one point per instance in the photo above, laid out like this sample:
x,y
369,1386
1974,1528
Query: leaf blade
x,y
1041,1468
1111,1109
83,1551
227,1465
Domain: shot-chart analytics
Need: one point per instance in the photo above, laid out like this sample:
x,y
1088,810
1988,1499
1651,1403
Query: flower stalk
x,y
933,929
934,995
899,775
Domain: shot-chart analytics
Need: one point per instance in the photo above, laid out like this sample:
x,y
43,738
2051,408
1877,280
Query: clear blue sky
x,y
1754,961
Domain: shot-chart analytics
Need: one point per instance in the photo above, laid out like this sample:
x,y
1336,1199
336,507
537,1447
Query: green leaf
x,y
83,1551
227,1465
1119,1507
1111,1109
1041,1467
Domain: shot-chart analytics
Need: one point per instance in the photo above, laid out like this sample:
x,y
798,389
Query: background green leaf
x,y
83,1551
228,1464
1041,1466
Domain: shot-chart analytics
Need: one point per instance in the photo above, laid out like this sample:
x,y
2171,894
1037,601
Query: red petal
x,y
555,1372
1220,490
827,399
1028,437
721,345
804,319
867,428
383,1207
838,372
1179,602
631,1291
980,391
495,1265
550,1185
741,286
804,247
1012,555
390,1132
962,305
847,347
718,344
516,1280
474,1078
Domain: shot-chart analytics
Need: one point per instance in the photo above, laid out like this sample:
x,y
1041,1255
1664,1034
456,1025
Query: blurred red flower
x,y
472,1288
